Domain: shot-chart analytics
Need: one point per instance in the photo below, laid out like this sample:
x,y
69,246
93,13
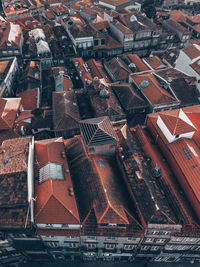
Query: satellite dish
x,y
133,18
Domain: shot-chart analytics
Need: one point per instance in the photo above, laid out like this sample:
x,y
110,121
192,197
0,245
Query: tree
x,y
148,7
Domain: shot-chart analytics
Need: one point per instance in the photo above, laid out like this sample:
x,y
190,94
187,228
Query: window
x,y
109,246
160,240
103,41
54,244
55,171
96,42
129,246
131,238
149,240
91,245
154,248
73,245
145,247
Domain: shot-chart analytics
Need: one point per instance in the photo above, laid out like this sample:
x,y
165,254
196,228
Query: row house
x,y
8,76
123,34
11,39
145,32
14,119
134,63
157,97
42,47
188,62
106,208
104,103
180,85
129,99
129,4
82,39
117,70
182,34
66,115
56,212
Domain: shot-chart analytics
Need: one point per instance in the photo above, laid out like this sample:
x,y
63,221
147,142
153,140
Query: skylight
x,y
186,153
55,171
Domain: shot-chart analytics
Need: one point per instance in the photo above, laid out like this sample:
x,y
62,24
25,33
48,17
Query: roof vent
x,y
144,84
5,160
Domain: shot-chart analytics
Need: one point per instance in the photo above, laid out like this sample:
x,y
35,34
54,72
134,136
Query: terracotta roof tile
x,y
192,51
153,91
57,232
65,111
54,194
29,99
138,62
9,108
155,62
98,188
176,125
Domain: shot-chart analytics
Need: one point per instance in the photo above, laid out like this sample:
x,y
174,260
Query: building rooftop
x,y
9,108
13,182
65,111
136,60
117,69
29,99
98,131
192,51
150,87
154,62
102,198
128,97
55,203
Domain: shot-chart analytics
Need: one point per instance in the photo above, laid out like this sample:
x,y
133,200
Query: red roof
x,y
55,200
185,151
138,62
153,91
176,125
79,65
57,232
187,155
155,62
9,107
29,99
192,51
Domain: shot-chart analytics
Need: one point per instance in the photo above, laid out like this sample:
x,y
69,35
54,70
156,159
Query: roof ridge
x,y
55,196
42,207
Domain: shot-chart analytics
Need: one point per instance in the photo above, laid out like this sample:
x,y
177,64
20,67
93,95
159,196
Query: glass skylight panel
x,y
51,170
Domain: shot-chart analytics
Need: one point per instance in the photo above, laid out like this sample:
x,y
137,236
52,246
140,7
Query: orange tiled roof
x,y
176,125
138,62
9,107
79,65
29,99
153,92
155,62
187,155
192,51
55,202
